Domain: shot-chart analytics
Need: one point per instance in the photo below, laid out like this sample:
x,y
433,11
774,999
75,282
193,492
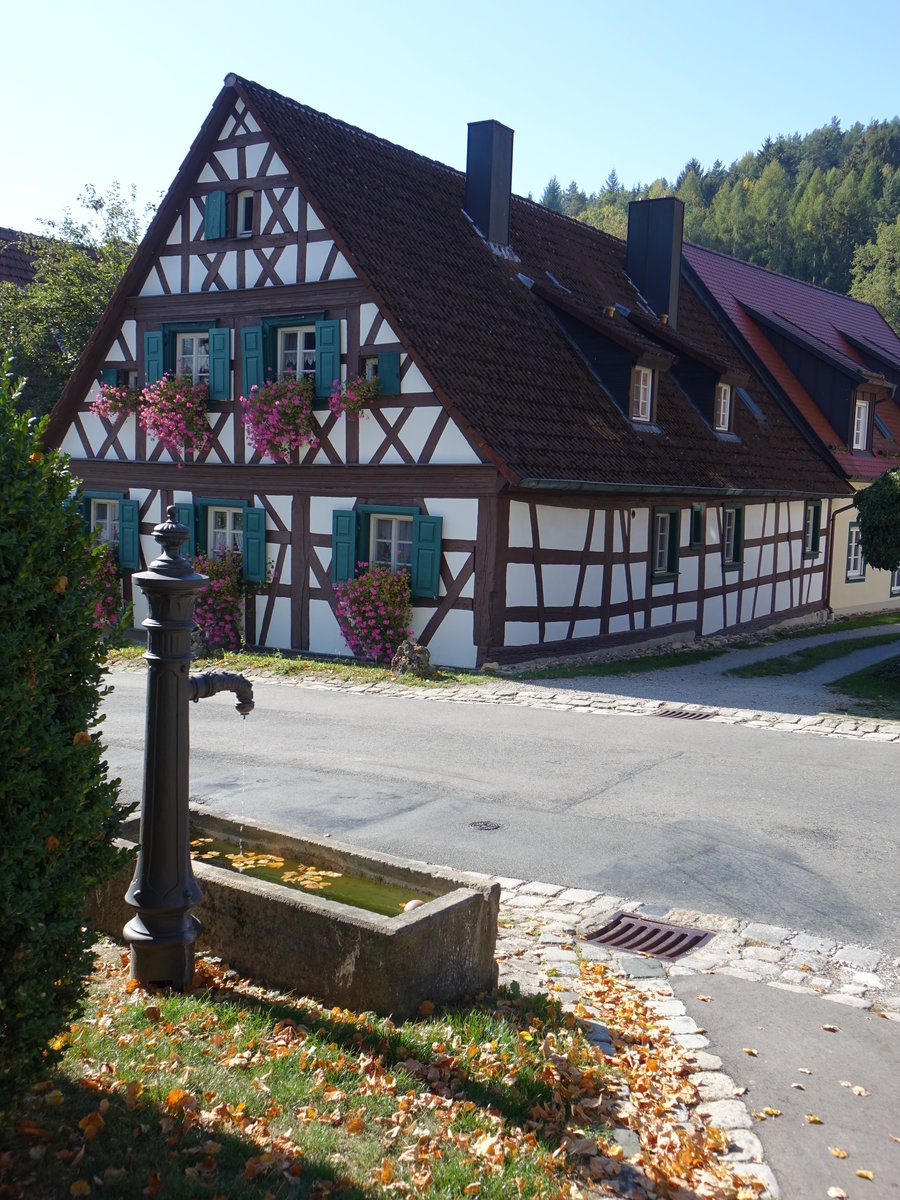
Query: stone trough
x,y
288,939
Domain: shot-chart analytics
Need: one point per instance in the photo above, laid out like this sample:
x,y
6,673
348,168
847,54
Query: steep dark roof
x,y
16,261
850,335
482,326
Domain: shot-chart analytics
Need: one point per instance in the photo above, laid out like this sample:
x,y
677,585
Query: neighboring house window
x,y
391,539
225,530
895,582
642,394
105,521
697,531
861,412
666,522
192,356
397,537
856,562
812,526
370,368
297,352
732,536
244,214
722,415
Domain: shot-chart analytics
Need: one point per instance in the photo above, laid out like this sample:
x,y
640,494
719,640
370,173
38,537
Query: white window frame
x,y
196,356
243,227
810,540
643,385
722,411
105,525
895,582
861,420
729,537
856,560
217,539
370,367
398,522
661,526
309,369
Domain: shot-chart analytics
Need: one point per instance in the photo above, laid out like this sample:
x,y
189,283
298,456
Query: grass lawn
x,y
234,1092
811,656
874,690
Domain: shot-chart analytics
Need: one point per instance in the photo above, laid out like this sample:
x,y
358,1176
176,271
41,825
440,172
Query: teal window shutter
x,y
426,555
220,364
328,355
153,356
186,517
214,216
389,373
343,545
109,376
129,535
254,545
252,358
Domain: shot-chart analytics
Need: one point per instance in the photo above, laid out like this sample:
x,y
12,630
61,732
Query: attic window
x,y
244,214
722,411
861,414
643,388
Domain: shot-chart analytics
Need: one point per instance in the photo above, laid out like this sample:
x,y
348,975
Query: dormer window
x,y
643,387
722,410
862,420
244,214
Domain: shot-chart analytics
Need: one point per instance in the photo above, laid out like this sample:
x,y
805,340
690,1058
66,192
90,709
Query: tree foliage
x,y
78,263
58,811
878,506
822,207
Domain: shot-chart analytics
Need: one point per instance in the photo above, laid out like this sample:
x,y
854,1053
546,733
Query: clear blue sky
x,y
106,91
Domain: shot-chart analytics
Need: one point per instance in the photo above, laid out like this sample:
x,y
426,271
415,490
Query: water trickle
x,y
243,780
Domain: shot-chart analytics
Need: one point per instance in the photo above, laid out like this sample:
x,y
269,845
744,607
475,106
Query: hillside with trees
x,y
823,207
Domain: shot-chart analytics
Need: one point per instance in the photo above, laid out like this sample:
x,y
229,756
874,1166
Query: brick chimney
x,y
653,252
489,179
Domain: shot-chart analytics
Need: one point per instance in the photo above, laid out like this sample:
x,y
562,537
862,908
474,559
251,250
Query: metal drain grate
x,y
687,714
640,935
484,826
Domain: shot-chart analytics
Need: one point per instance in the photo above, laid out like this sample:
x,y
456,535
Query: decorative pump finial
x,y
172,535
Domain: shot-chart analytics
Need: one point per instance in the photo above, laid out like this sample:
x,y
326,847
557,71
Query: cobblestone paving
x,y
541,942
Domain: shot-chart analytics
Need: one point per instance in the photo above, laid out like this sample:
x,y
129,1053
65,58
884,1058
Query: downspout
x,y
830,563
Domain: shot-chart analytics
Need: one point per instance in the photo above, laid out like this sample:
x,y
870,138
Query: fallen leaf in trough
x,y
804,1070
832,1028
838,1152
749,1050
865,1174
812,1119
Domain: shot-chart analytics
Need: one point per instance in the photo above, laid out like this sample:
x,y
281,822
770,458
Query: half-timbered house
x,y
836,362
567,451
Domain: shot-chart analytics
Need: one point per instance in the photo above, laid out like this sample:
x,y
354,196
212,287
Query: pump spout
x,y
210,683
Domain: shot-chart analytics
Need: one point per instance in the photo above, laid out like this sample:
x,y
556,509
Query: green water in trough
x,y
371,894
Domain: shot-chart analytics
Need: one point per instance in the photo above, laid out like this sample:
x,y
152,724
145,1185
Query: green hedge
x,y
58,812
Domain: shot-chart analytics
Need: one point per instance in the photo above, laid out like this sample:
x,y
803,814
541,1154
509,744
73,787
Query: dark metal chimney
x,y
653,252
489,179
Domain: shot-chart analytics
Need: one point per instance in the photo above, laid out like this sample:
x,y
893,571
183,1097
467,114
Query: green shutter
x,y
252,360
328,355
255,545
109,376
389,373
343,545
214,216
153,356
426,555
185,516
129,535
220,364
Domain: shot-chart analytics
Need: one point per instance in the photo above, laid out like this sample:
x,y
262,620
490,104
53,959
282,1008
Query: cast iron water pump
x,y
163,931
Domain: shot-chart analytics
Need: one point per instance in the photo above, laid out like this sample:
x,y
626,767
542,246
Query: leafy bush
x,y
58,811
878,506
373,612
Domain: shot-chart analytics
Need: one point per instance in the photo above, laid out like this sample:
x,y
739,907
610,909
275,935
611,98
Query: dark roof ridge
x,y
743,262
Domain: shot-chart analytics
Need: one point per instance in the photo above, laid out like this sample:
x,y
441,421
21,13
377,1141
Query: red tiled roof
x,y
16,262
851,333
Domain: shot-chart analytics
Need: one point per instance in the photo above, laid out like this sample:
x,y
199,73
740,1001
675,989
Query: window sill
x,y
726,435
644,426
731,566
669,577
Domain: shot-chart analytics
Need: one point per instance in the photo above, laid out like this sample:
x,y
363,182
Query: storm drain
x,y
484,826
640,935
686,714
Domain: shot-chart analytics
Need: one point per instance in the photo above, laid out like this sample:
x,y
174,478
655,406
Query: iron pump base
x,y
163,931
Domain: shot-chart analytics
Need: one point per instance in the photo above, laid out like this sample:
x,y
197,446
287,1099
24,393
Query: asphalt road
x,y
789,829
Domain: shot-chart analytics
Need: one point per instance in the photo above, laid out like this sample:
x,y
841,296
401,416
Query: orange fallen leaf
x,y
812,1119
52,842
832,1028
426,1008
772,1112
60,586
749,1050
80,1187
132,986
154,1183
81,738
386,1172
838,1152
865,1174
152,1012
705,999
355,1125
472,1189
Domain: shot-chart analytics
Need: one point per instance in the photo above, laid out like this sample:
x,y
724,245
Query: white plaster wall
x,y
713,615
747,597
519,524
255,155
174,238
713,571
686,612
521,633
286,267
413,380
764,600
640,531
559,581
689,573
783,557
368,314
342,269
521,586
751,562
661,615
770,511
316,256
453,643
456,560
598,534
562,528
592,589
638,580
280,626
312,219
556,631
413,435
766,559
782,596
619,624
619,591
386,335
114,354
731,607
585,629
460,517
453,447
321,508
276,166
226,438
754,515
324,634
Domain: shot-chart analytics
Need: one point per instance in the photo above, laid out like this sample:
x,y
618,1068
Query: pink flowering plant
x,y
173,410
110,613
219,608
353,396
278,416
373,612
